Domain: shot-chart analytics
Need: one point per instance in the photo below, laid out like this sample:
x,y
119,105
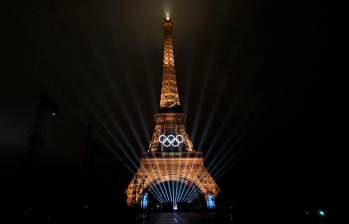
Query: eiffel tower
x,y
171,156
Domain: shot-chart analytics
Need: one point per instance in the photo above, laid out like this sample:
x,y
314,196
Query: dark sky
x,y
259,73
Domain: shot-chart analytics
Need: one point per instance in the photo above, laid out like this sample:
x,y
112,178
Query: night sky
x,y
258,77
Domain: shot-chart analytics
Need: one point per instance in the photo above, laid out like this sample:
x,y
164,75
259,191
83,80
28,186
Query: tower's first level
x,y
155,170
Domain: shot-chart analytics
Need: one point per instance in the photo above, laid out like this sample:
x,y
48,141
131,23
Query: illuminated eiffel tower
x,y
171,156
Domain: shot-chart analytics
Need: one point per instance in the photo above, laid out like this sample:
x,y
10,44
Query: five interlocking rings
x,y
171,140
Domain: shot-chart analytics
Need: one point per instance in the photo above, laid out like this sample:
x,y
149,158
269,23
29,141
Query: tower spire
x,y
169,92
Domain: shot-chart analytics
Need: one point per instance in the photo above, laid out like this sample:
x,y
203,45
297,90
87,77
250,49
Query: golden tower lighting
x,y
171,156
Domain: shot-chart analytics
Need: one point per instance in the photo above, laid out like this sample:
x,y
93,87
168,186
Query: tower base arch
x,y
187,168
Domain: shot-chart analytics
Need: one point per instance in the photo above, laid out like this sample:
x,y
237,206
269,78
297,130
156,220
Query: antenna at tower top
x,y
167,16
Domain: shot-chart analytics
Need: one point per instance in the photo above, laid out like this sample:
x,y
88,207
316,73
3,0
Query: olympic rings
x,y
171,140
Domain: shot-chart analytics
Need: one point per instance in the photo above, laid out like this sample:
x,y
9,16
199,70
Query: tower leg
x,y
210,201
144,201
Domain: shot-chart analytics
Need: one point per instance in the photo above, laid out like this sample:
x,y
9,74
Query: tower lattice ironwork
x,y
171,156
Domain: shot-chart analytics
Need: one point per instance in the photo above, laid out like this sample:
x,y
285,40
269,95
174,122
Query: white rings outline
x,y
171,140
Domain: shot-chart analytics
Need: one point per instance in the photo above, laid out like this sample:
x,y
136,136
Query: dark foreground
x,y
183,218
105,216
